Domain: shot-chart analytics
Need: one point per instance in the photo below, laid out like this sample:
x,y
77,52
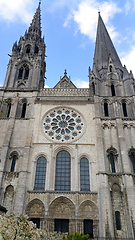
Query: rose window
x,y
63,125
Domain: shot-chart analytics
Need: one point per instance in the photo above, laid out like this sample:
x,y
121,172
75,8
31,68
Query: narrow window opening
x,y
110,68
36,49
23,110
13,163
106,112
8,110
20,75
117,219
132,157
124,109
93,87
28,49
112,162
26,75
113,90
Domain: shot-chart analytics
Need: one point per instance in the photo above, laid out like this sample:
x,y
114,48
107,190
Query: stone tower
x,y
26,68
67,155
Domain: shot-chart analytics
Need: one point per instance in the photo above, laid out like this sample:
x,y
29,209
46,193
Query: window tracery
x,y
63,124
23,74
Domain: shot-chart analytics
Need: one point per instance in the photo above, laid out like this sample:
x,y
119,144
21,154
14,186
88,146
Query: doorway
x,y
61,225
36,221
88,227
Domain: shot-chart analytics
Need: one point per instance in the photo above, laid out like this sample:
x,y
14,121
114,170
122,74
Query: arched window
x,y
132,157
117,219
23,72
8,108
124,107
14,158
62,173
84,175
112,162
106,112
113,90
28,49
93,87
23,110
40,174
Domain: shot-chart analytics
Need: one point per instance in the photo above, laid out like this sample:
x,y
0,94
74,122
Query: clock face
x,y
63,125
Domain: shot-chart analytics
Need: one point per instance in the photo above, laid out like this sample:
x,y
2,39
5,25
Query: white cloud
x,y
46,86
13,10
127,7
86,17
128,60
81,84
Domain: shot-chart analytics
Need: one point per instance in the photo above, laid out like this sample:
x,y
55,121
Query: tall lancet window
x,y
112,162
23,72
63,171
124,107
13,163
117,219
93,87
84,175
8,108
106,112
40,174
112,90
132,158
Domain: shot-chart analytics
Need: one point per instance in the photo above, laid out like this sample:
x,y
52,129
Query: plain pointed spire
x,y
104,49
35,26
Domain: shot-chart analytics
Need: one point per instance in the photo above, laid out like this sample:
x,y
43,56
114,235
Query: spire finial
x,y
39,1
65,72
99,10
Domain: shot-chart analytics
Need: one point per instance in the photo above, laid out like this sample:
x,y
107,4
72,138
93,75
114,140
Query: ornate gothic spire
x,y
104,49
35,26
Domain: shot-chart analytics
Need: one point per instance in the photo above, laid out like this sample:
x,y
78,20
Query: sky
x,y
69,27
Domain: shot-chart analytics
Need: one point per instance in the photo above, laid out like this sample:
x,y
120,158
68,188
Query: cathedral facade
x,y
67,155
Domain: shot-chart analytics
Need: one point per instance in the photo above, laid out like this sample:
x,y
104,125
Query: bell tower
x,y
26,68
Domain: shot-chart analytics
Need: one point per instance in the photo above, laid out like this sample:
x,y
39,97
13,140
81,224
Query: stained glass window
x,y
84,175
63,169
40,174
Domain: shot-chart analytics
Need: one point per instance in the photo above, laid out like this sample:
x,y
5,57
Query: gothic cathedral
x,y
67,155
